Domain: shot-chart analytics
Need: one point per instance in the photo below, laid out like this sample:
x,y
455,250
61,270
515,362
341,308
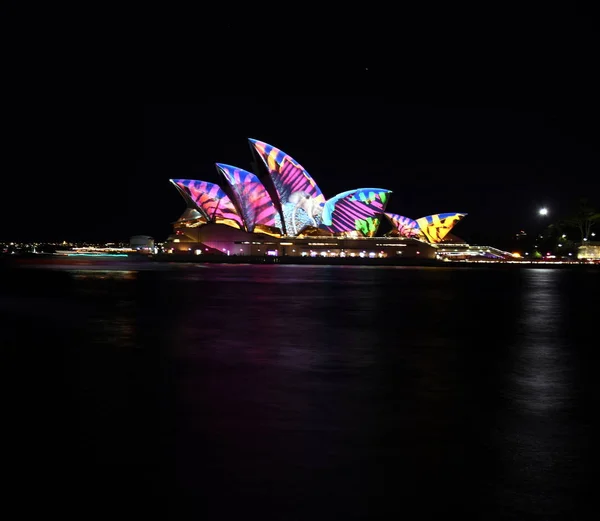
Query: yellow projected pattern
x,y
436,227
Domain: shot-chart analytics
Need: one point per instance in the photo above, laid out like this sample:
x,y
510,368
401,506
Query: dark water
x,y
282,392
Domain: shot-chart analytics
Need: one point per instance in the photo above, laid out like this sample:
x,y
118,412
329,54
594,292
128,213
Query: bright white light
x,y
543,211
593,234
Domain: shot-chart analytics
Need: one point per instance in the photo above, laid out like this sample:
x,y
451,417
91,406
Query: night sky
x,y
497,159
489,112
497,163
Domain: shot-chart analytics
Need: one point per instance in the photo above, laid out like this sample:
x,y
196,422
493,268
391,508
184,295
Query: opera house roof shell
x,y
286,201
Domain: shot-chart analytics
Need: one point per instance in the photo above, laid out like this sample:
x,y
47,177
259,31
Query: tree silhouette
x,y
583,220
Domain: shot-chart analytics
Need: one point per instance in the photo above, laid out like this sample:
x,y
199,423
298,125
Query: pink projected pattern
x,y
295,188
254,202
211,200
405,226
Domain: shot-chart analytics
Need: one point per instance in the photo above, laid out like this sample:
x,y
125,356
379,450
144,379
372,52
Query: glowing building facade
x,y
210,201
284,206
300,200
432,228
254,204
589,251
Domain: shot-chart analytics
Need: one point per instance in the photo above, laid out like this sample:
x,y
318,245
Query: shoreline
x,y
356,261
16,261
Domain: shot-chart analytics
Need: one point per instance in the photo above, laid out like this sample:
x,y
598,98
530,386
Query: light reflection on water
x,y
544,364
540,440
327,392
103,274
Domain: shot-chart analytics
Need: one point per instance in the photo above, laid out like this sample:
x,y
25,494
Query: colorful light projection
x,y
252,199
211,201
355,210
301,199
405,226
436,227
303,206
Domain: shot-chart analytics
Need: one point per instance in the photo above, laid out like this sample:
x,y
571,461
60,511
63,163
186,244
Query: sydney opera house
x,y
278,209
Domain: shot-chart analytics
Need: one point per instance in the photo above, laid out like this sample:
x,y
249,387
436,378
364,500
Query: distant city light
x,y
543,211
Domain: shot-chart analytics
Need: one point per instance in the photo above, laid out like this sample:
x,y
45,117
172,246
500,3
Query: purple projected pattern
x,y
253,201
406,226
211,200
296,189
355,210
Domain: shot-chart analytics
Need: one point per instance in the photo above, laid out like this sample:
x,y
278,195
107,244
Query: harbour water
x,y
302,392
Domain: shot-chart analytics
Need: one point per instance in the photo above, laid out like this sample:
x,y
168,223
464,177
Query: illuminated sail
x,y
405,226
211,201
355,210
252,199
436,227
300,198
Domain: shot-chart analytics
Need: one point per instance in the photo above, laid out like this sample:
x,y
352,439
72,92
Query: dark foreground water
x,y
301,393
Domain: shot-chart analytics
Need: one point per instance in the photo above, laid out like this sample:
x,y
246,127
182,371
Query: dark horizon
x,y
498,162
